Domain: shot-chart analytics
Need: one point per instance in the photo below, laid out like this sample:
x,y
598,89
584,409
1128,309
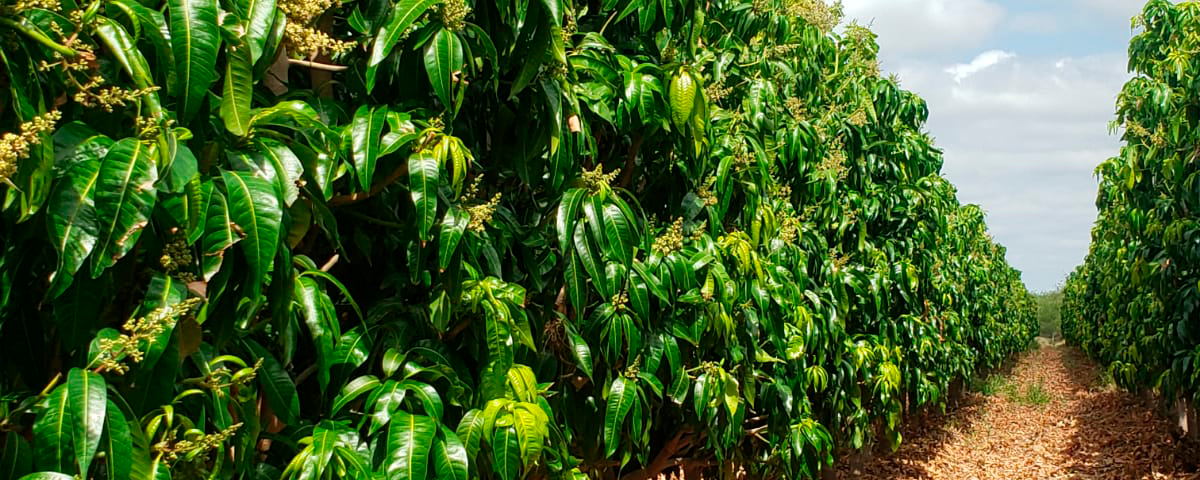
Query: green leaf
x,y
353,348
17,457
423,185
71,223
238,89
47,476
580,349
619,234
353,390
319,315
52,433
471,431
529,423
506,453
409,440
218,236
450,460
443,59
568,212
454,224
620,401
118,443
365,130
576,279
124,197
254,207
403,14
88,401
258,17
278,385
195,39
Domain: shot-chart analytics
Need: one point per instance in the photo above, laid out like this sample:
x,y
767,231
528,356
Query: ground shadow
x,y
1084,430
1118,435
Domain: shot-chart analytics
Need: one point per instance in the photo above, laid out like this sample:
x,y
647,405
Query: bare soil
x,y
1051,417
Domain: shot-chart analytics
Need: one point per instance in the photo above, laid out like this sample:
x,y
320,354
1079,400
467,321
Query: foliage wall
x,y
1133,303
514,239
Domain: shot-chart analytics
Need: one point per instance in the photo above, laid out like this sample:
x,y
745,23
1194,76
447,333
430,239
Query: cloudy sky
x,y
1020,95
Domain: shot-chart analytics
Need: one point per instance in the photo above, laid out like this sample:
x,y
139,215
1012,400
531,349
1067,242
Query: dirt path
x,y
1050,418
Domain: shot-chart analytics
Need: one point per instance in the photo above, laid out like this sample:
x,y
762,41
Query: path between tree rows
x,y
1049,418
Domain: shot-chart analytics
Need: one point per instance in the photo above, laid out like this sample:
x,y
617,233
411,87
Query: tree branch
x,y
342,200
663,460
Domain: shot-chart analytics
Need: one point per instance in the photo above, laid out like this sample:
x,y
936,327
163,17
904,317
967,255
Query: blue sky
x,y
1020,95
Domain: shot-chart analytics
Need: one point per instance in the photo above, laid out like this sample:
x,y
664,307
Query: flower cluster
x,y
93,95
142,330
670,241
634,369
817,13
858,118
789,230
796,108
22,6
304,39
834,162
714,92
707,196
197,445
620,301
454,14
16,146
177,256
596,180
482,214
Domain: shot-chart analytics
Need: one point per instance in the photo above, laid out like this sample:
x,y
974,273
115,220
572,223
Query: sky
x,y
1020,93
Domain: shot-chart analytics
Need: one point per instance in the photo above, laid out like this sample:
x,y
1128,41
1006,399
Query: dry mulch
x,y
1082,431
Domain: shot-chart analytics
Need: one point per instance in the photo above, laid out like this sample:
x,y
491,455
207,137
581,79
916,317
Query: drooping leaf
x,y
403,14
255,210
278,385
450,460
621,396
16,460
423,184
53,432
443,59
410,437
72,222
365,130
195,39
124,196
88,402
454,224
238,89
117,443
506,453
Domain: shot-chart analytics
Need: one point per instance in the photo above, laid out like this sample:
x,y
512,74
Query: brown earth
x,y
1050,418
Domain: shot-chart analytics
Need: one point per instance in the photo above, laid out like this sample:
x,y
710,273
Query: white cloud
x,y
924,26
1022,136
982,61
